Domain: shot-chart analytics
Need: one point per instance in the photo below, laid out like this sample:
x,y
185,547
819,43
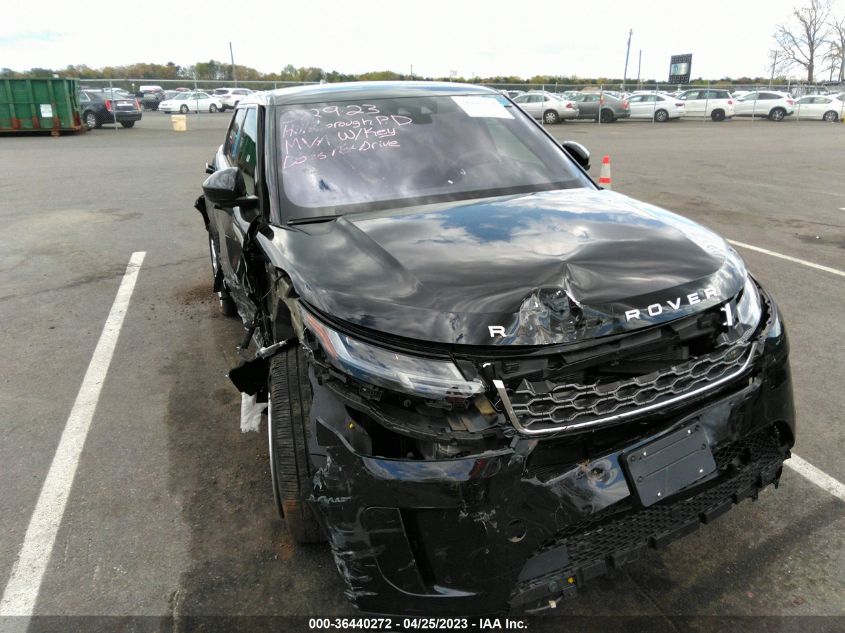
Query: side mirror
x,y
225,187
578,152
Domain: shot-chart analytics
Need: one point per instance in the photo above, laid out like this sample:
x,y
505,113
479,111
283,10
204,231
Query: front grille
x,y
548,407
620,535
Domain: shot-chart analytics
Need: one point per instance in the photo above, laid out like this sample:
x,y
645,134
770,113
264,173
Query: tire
x,y
226,304
831,116
184,109
607,116
661,116
551,117
212,108
90,119
288,406
717,115
128,123
777,114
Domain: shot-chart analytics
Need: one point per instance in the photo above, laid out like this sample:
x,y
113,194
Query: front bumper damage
x,y
515,529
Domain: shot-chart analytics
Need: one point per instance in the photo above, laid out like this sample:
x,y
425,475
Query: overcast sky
x,y
587,39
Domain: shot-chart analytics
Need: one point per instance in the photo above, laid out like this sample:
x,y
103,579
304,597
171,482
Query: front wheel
x,y
184,109
288,408
777,114
212,108
127,123
551,117
830,116
661,116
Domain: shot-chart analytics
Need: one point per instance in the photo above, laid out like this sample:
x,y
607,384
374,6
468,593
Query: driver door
x,y
241,150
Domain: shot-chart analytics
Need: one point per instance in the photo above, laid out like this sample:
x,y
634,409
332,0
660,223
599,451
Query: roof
x,y
355,90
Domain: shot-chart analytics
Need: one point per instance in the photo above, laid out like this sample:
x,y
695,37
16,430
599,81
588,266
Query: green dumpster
x,y
50,105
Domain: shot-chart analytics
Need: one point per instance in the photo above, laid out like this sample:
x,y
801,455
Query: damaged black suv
x,y
488,380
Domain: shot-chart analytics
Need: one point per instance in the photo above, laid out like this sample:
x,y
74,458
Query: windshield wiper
x,y
314,220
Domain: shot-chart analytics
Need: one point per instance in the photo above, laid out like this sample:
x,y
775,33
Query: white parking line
x,y
818,477
799,465
789,258
22,589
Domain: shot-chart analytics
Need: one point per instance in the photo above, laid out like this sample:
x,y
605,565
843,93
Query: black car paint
x,y
483,531
396,272
97,105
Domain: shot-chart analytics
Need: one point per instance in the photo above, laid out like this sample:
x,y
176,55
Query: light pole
x,y
774,64
639,67
627,53
232,57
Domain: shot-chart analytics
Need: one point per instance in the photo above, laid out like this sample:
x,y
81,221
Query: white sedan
x,y
820,108
186,102
655,106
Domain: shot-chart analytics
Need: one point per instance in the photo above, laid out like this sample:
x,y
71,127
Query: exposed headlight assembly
x,y
748,310
422,377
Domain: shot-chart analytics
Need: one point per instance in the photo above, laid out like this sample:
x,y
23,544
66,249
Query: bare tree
x,y
800,40
836,54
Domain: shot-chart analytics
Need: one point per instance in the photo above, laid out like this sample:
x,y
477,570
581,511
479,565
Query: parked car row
x,y
715,104
554,108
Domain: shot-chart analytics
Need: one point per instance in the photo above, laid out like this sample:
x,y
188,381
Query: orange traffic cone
x,y
604,178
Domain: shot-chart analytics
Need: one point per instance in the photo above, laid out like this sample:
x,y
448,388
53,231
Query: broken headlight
x,y
748,309
423,377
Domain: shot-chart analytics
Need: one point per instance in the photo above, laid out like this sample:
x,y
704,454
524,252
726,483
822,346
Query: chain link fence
x,y
795,90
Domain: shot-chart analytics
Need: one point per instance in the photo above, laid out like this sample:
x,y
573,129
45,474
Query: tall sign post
x,y
679,69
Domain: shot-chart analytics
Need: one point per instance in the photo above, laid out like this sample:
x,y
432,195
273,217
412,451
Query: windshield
x,y
335,158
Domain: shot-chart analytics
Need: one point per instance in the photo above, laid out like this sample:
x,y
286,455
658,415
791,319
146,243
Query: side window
x,y
693,94
248,149
234,136
521,99
635,98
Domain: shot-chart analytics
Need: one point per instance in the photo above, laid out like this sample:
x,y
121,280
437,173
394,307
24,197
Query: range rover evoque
x,y
488,380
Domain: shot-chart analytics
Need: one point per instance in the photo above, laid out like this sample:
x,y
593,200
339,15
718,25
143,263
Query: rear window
x,y
220,91
383,153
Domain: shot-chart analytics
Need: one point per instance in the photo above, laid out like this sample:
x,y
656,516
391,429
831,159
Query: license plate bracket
x,y
662,467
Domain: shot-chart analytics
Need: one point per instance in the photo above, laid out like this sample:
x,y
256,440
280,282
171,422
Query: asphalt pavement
x,y
171,512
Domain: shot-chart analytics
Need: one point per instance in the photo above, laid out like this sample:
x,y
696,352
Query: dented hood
x,y
542,268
